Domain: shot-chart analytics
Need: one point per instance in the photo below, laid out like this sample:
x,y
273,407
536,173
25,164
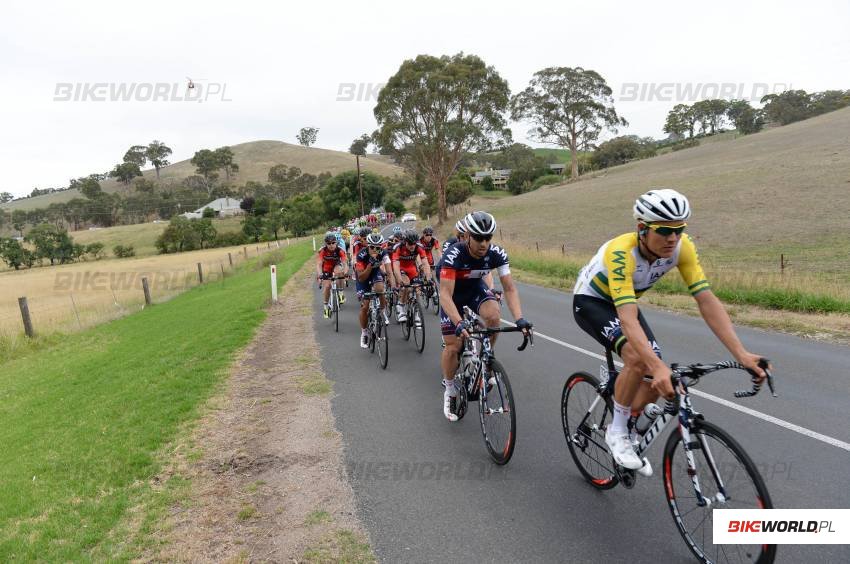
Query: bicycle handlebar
x,y
526,337
697,371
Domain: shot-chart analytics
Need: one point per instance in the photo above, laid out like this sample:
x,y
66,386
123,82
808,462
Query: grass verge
x,y
83,420
741,290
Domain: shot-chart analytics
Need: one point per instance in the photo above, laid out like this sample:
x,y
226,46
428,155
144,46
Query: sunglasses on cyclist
x,y
481,238
330,242
667,230
374,247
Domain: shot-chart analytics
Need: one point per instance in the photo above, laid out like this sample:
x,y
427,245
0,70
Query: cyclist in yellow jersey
x,y
605,306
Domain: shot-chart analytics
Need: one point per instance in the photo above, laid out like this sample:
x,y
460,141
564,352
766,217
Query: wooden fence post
x,y
537,245
221,264
230,259
245,250
782,263
25,315
147,289
200,274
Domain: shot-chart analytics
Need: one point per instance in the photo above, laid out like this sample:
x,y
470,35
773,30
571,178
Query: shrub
x,y
230,239
546,179
685,144
121,251
487,184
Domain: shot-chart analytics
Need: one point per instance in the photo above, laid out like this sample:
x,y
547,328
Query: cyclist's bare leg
x,y
628,382
490,312
403,295
448,359
644,395
326,290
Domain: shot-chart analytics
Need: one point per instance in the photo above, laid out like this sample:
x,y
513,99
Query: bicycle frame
x,y
682,407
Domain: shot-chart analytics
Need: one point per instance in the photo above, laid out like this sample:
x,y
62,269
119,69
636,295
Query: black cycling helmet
x,y
374,239
428,231
365,232
410,236
330,238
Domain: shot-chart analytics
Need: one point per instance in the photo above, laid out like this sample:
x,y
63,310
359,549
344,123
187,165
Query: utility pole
x,y
360,187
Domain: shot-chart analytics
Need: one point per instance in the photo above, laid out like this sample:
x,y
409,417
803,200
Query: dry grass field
x,y
782,191
254,160
73,296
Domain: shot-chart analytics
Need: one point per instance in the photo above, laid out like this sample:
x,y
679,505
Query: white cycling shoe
x,y
364,340
401,315
622,450
450,405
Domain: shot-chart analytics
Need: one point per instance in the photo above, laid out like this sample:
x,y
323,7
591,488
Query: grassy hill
x,y
782,191
254,160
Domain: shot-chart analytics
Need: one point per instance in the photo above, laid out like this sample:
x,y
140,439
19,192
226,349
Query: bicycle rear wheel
x,y
731,482
497,415
418,327
584,414
435,302
382,345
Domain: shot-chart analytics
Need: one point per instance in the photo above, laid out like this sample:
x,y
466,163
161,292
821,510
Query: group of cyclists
x,y
604,298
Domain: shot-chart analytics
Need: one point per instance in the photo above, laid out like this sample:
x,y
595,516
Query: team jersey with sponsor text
x,y
618,273
331,258
459,265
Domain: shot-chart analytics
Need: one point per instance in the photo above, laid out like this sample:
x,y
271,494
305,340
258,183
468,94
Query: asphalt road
x,y
428,492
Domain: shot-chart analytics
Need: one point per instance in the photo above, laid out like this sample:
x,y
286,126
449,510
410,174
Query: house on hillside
x,y
558,168
499,176
223,207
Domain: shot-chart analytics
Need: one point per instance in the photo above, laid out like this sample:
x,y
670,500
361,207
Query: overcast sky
x,y
286,65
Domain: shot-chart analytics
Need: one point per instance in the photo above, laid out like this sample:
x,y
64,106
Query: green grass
x,y
562,155
317,517
492,194
562,272
342,546
83,421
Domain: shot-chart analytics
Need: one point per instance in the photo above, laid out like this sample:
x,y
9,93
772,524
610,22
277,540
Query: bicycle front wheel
x,y
728,479
408,323
584,414
497,415
418,327
382,344
371,323
335,311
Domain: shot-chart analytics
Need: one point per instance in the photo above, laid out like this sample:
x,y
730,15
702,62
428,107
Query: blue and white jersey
x,y
467,271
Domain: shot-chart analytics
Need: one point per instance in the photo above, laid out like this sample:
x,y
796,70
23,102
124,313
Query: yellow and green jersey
x,y
618,273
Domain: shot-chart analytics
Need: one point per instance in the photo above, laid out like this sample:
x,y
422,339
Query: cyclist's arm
x,y
397,273
718,320
319,260
343,260
511,294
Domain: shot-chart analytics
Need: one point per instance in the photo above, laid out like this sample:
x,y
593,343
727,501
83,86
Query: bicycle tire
x,y
579,393
755,495
383,346
418,332
500,451
335,311
408,323
435,300
462,404
371,324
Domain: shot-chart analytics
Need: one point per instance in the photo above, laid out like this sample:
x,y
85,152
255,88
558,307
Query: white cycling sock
x,y
450,386
620,423
364,331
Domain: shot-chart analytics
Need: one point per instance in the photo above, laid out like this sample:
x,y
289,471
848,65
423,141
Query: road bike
x,y
376,326
415,322
431,296
703,466
334,301
483,378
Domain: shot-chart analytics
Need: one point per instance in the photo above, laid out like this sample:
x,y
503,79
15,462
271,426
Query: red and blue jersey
x,y
467,271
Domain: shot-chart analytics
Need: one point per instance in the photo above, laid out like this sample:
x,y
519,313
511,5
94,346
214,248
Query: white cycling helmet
x,y
663,204
480,223
460,227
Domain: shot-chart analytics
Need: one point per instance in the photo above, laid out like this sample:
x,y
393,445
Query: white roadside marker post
x,y
274,283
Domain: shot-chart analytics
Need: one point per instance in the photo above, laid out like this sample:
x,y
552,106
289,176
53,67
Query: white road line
x,y
731,405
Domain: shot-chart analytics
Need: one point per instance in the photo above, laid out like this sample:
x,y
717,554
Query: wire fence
x,y
88,294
